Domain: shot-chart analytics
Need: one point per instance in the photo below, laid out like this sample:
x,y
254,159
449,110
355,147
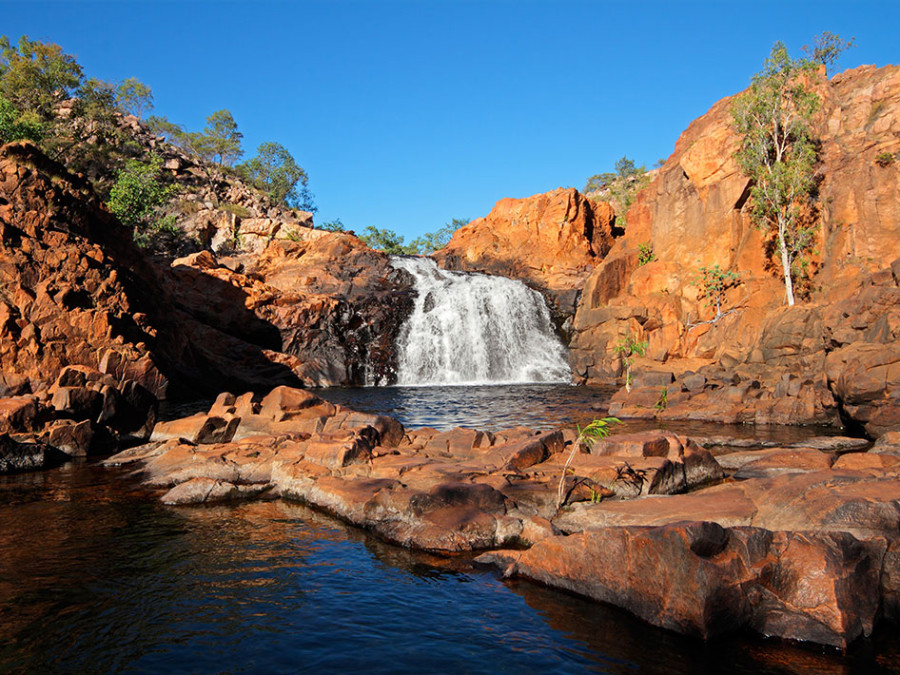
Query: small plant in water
x,y
587,436
627,348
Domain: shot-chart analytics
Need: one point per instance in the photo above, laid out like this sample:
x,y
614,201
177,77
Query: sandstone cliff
x,y
695,214
76,291
550,241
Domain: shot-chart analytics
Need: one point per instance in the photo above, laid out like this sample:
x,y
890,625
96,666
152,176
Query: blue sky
x,y
409,113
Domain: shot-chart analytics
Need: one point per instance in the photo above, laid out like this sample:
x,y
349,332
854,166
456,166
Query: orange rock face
x,y
67,297
550,241
695,213
76,291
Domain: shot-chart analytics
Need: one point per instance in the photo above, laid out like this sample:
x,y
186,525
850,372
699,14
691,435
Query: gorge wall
x,y
550,241
797,359
317,309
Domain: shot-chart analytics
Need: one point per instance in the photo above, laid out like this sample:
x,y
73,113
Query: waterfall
x,y
470,328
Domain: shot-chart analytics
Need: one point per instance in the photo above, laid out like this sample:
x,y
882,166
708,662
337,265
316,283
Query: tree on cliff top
x,y
779,153
619,187
35,76
220,141
827,48
275,171
134,97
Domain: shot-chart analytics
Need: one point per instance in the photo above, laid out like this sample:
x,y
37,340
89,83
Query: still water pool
x,y
96,576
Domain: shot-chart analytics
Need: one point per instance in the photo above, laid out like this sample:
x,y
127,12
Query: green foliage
x,y
138,193
391,242
645,254
35,76
220,140
161,126
134,97
885,159
586,438
14,126
713,282
619,187
385,240
827,48
663,402
779,153
627,348
332,225
430,242
236,209
275,172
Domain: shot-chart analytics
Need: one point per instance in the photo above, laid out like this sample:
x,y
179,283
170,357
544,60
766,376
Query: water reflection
x,y
95,577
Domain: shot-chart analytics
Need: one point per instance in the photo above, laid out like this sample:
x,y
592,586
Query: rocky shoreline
x,y
797,542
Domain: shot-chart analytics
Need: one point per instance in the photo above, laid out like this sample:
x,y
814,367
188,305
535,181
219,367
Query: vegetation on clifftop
x,y
391,242
619,187
94,128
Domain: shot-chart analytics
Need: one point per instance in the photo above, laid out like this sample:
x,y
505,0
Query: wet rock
x,y
702,579
209,491
18,456
833,443
72,438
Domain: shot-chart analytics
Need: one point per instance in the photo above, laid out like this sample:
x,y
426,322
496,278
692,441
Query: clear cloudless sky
x,y
407,113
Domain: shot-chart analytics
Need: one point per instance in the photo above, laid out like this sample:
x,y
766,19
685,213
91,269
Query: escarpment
x,y
831,357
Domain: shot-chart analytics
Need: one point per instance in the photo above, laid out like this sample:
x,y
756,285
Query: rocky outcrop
x,y
443,491
808,554
76,291
84,412
68,289
550,241
215,209
793,365
806,548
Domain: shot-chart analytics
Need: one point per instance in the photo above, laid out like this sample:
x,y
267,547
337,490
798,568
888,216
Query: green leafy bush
x,y
645,254
619,187
884,159
332,226
627,348
14,126
138,193
713,282
587,436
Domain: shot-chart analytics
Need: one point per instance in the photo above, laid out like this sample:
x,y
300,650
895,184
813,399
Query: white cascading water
x,y
476,329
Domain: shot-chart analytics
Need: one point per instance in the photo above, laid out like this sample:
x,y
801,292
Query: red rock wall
x,y
694,214
550,241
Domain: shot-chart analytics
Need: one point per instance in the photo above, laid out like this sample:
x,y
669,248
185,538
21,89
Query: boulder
x,y
18,456
702,579
209,491
19,414
71,438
